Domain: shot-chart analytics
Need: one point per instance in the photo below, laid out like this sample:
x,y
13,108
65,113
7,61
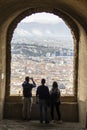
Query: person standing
x,y
43,94
27,94
55,101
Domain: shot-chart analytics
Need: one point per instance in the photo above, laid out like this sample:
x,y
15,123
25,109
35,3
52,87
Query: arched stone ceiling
x,y
75,8
68,20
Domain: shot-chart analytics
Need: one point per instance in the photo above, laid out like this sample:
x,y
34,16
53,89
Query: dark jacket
x,y
27,89
55,96
42,92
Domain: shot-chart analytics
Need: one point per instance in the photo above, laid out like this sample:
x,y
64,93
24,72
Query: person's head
x,y
43,81
27,78
55,85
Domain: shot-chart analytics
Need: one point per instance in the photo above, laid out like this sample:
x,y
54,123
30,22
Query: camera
x,y
30,78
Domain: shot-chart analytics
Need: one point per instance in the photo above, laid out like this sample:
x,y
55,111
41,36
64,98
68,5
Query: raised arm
x,y
34,84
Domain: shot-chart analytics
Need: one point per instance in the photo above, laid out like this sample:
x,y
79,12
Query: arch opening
x,y
42,48
70,23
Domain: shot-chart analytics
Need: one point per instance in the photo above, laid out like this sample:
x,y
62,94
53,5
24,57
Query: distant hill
x,y
28,50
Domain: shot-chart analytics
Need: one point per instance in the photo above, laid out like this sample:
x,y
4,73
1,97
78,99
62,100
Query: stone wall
x,y
74,13
69,111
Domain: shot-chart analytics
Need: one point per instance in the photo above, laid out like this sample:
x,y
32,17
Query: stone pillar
x,y
2,72
82,78
1,99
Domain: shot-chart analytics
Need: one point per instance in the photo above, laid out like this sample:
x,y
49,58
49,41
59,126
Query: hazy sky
x,y
43,18
41,25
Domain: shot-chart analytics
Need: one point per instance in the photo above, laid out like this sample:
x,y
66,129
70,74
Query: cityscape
x,y
53,61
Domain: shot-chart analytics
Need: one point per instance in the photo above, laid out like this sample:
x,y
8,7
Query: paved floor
x,y
35,125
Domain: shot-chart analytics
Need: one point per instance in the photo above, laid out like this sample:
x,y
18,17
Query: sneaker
x,y
28,119
41,122
46,122
53,121
60,122
23,119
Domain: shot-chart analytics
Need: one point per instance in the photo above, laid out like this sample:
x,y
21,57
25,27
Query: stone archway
x,y
75,32
68,20
73,15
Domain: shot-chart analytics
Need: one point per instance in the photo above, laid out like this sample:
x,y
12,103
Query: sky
x,y
42,18
41,25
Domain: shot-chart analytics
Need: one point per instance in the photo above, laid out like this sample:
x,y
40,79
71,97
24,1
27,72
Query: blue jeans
x,y
43,110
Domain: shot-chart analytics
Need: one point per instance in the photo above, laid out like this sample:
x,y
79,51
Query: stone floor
x,y
35,125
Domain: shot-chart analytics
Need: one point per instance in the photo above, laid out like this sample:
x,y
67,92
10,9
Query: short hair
x,y
43,81
27,78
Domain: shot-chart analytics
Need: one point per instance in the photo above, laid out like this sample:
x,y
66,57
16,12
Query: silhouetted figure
x,y
27,94
55,101
43,94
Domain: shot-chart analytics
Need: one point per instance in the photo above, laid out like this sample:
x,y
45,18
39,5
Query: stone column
x,y
2,71
82,78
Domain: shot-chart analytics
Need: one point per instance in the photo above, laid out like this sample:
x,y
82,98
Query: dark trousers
x,y
57,106
43,110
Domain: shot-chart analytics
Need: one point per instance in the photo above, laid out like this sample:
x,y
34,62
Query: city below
x,y
54,63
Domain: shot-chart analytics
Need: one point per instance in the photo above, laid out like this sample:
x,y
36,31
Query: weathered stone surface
x,y
35,125
74,13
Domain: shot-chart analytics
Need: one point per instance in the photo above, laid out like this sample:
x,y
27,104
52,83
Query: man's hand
x,y
32,79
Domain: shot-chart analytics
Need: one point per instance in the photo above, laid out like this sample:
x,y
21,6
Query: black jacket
x,y
27,89
42,92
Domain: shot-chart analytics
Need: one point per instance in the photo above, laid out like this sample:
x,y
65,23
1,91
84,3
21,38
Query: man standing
x,y
27,94
43,94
